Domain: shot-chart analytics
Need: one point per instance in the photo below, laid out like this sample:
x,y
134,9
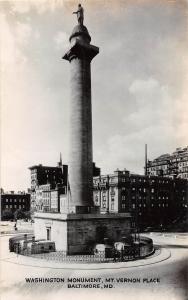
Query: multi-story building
x,y
48,199
170,165
43,179
48,183
43,197
11,202
153,200
55,197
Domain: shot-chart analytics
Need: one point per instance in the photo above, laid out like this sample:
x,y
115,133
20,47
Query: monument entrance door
x,y
48,231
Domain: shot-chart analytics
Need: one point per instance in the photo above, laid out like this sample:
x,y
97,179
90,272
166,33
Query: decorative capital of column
x,y
81,50
80,45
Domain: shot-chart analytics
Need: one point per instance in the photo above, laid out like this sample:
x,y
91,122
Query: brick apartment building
x,y
11,202
153,200
170,165
43,180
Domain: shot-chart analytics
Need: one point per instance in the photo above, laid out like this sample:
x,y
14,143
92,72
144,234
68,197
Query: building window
x,y
112,206
123,198
133,224
123,206
112,192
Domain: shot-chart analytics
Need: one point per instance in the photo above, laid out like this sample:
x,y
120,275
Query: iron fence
x,y
100,256
28,246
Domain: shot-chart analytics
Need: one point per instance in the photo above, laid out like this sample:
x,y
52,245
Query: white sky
x,y
139,82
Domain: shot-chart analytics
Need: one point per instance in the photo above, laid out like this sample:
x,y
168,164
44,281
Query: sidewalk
x,y
7,227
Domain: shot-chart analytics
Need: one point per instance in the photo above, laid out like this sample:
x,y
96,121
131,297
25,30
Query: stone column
x,y
81,156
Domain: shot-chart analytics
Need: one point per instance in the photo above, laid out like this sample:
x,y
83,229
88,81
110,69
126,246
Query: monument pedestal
x,y
78,233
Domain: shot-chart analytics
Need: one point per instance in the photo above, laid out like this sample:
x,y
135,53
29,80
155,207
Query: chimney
x,y
146,160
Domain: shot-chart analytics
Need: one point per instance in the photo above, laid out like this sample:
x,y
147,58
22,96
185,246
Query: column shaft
x,y
81,156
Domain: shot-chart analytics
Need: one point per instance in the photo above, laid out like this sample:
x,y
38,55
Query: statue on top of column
x,y
80,14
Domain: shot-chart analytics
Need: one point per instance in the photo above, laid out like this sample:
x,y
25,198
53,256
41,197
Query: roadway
x,y
163,279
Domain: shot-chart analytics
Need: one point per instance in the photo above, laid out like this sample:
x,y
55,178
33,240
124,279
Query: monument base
x,y
78,233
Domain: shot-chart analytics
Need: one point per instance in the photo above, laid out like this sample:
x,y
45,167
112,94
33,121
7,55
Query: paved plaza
x,y
162,276
7,227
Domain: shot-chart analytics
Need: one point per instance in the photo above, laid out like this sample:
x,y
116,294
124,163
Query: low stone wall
x,y
146,246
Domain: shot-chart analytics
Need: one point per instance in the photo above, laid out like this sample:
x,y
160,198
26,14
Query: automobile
x,y
148,229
